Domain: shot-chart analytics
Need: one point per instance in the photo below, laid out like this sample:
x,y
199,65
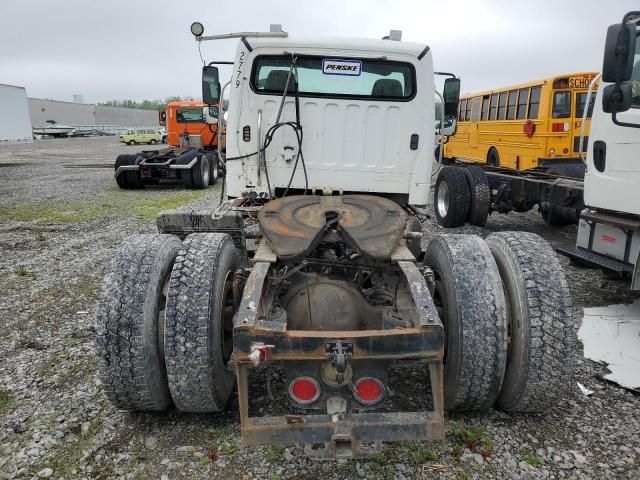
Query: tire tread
x,y
549,365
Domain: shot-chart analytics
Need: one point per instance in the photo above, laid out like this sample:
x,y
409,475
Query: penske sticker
x,y
333,66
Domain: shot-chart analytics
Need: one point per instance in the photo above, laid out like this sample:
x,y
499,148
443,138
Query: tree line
x,y
144,104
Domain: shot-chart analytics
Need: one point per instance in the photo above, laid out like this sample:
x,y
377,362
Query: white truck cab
x,y
357,117
609,227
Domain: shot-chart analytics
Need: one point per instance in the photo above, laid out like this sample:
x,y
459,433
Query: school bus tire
x,y
493,157
479,196
557,215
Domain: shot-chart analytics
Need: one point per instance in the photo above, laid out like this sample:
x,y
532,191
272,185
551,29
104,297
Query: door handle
x,y
288,153
599,155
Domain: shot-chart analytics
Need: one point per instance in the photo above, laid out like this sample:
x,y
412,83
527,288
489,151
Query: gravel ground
x,y
58,229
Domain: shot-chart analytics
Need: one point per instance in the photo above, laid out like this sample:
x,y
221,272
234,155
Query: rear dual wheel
x,y
131,178
462,196
214,168
130,323
164,324
199,175
506,309
471,304
541,331
200,309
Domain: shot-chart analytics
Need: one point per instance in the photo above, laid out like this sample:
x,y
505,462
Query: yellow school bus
x,y
531,125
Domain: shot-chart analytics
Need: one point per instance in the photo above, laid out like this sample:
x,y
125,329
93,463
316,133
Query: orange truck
x,y
184,121
191,156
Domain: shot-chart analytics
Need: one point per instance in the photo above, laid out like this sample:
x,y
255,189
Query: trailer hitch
x,y
338,353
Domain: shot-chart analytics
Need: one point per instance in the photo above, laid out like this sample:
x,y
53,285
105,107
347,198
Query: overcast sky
x,y
142,49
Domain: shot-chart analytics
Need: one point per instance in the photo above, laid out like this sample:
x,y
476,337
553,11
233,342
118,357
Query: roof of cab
x,y
340,43
186,103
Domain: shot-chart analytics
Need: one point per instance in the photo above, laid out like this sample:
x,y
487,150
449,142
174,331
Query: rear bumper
x,y
348,436
345,434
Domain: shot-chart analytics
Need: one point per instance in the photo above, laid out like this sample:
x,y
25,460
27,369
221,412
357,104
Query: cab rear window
x,y
335,77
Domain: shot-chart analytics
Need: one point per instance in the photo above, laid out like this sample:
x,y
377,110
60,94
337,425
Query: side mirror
x,y
449,127
451,96
619,50
210,85
162,117
209,115
616,98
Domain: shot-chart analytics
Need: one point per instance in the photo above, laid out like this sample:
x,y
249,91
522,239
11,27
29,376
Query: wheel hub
x,y
443,199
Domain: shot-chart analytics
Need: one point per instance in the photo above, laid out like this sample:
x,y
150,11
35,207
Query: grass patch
x,y
420,454
5,400
274,453
40,236
532,459
148,209
221,432
142,204
473,438
66,456
22,271
47,367
227,448
469,437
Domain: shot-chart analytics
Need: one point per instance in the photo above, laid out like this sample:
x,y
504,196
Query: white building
x,y
15,122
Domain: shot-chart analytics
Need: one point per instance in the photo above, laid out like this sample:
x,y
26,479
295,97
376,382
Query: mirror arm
x,y
623,124
221,122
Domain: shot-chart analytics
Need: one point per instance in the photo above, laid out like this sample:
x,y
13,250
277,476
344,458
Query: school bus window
x,y
511,108
561,105
467,115
475,112
502,106
485,107
581,99
463,108
493,106
534,103
523,99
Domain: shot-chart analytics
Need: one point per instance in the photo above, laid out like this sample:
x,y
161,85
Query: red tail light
x,y
559,127
369,390
304,390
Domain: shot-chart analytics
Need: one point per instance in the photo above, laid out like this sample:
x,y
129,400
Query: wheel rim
x,y
438,301
443,199
162,309
215,168
227,312
205,170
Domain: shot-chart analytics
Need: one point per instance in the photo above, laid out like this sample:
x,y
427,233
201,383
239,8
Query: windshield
x,y
336,77
635,77
189,115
